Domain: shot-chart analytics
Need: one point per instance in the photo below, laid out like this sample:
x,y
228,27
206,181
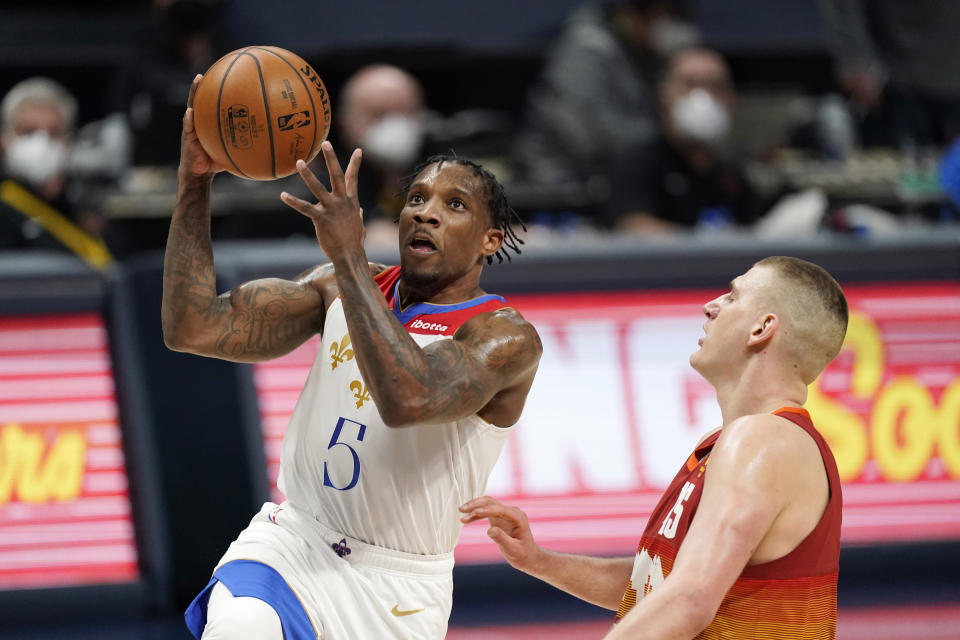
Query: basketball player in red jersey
x,y
419,378
745,541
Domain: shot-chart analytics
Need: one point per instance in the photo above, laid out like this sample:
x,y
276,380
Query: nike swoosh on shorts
x,y
397,612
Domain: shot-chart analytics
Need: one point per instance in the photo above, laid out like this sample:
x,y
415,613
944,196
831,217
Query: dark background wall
x,y
467,54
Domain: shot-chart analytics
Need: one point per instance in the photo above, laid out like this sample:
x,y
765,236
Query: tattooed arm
x,y
256,321
487,368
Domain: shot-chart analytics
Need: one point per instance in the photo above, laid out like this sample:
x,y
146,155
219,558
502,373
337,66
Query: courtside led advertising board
x,y
65,510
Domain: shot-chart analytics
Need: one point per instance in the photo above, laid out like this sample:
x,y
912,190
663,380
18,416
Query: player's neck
x,y
438,293
759,389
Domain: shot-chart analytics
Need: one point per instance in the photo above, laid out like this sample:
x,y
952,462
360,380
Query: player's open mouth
x,y
422,244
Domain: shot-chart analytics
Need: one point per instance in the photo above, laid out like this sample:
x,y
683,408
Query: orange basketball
x,y
260,109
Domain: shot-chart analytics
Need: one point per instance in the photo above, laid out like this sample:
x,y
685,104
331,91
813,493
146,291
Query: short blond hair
x,y
816,309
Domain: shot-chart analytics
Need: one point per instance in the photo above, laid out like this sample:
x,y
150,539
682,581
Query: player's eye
x,y
456,203
416,198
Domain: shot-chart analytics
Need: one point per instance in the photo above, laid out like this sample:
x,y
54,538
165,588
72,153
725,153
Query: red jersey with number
x,y
793,597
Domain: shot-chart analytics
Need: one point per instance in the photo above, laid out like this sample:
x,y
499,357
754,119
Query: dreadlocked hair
x,y
502,214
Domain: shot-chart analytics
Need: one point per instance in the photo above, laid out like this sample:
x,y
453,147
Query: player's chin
x,y
416,274
695,359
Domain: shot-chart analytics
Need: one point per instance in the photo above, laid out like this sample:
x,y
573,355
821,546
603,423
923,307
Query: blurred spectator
x,y
683,177
37,127
153,85
382,111
594,96
900,63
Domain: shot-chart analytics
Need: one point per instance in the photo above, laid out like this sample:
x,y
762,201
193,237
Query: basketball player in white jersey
x,y
419,377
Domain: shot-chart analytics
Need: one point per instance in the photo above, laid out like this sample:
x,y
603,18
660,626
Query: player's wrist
x,y
349,261
538,563
191,182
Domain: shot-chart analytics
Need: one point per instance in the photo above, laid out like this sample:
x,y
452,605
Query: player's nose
x,y
427,215
711,308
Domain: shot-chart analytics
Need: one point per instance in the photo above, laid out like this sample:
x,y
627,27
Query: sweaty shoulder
x,y
503,328
773,448
766,432
781,462
508,347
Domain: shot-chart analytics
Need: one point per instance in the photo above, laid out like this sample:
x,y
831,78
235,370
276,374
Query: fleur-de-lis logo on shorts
x,y
341,548
359,392
340,351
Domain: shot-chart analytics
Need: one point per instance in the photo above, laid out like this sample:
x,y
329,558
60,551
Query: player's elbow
x,y
393,421
699,608
402,414
187,332
701,617
173,327
173,336
405,409
177,338
177,341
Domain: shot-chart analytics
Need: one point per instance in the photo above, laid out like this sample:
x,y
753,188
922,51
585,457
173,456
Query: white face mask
x,y
701,117
393,142
35,158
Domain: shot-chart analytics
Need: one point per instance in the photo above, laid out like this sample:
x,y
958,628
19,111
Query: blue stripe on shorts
x,y
247,578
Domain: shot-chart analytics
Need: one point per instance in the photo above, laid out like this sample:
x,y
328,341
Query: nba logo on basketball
x,y
293,120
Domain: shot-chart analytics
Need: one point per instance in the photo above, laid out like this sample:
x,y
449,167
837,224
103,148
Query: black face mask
x,y
193,16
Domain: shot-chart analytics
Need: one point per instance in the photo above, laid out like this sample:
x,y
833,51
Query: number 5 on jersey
x,y
336,442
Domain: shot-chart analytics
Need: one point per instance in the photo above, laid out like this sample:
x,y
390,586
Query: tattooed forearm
x,y
445,381
189,283
454,385
469,370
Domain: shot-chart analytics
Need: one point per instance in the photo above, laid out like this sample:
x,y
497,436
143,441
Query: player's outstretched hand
x,y
509,528
337,216
193,159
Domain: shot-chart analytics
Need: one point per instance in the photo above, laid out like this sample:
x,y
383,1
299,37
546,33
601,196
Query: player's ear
x,y
762,331
492,241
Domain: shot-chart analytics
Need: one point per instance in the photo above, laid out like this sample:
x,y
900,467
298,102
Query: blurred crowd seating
x,y
794,130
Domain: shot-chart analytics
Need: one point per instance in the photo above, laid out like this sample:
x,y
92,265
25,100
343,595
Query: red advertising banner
x,y
616,409
64,506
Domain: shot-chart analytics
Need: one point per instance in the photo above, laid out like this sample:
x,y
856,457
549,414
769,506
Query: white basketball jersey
x,y
397,488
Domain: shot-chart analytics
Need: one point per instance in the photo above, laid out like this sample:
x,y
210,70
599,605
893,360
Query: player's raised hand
x,y
193,159
337,216
509,528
